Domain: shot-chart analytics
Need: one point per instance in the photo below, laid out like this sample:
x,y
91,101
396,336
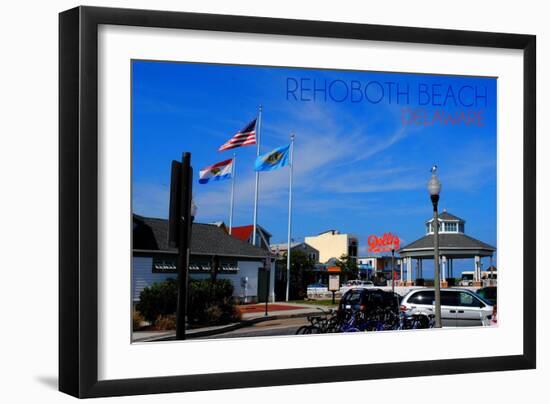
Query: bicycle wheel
x,y
305,329
351,329
332,326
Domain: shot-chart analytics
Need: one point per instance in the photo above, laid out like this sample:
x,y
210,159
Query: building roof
x,y
244,232
331,231
451,241
206,239
284,246
447,216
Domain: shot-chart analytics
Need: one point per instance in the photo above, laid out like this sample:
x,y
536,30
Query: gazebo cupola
x,y
448,223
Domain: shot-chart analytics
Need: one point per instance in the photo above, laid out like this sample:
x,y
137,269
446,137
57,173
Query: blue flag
x,y
273,160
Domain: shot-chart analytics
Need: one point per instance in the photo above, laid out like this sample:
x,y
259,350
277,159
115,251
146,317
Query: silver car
x,y
459,307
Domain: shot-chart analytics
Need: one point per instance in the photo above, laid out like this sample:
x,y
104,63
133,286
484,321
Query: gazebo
x,y
453,244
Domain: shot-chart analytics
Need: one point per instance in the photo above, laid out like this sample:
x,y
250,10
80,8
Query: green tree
x,y
348,268
301,273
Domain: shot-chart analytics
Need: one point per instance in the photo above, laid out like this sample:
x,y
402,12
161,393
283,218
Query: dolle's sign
x,y
387,242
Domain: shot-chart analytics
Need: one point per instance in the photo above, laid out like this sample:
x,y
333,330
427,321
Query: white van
x,y
459,307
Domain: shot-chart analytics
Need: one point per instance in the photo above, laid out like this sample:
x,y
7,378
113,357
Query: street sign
x,y
175,202
333,283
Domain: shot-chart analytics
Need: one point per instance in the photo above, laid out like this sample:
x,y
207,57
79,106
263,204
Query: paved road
x,y
266,329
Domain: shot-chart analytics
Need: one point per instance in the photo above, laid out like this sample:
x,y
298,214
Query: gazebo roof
x,y
457,245
447,216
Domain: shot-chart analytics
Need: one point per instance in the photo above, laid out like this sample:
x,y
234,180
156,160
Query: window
x,y
468,300
376,299
426,297
461,227
452,227
352,250
164,265
229,266
449,298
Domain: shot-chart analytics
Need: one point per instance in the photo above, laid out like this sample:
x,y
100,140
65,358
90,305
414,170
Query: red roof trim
x,y
242,232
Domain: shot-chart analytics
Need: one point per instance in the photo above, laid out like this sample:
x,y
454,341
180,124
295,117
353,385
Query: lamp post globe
x,y
434,188
434,185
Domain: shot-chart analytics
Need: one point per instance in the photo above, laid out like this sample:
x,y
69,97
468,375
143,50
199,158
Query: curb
x,y
230,327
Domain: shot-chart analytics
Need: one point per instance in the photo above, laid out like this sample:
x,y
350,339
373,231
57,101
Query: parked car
x,y
380,281
489,293
358,283
459,307
316,286
466,278
368,300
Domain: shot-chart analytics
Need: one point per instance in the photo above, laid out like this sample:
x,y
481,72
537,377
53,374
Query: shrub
x,y
167,322
158,299
137,320
210,303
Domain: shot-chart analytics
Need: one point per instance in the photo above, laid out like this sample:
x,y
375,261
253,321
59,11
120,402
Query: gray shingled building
x,y
154,260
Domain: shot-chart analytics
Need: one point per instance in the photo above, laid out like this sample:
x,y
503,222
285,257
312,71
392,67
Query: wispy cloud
x,y
321,144
150,199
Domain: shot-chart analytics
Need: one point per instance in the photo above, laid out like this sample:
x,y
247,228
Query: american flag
x,y
244,137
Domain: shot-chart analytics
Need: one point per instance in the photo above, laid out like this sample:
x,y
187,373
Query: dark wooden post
x,y
184,221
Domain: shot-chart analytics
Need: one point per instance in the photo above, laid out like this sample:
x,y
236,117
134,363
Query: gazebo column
x,y
443,271
401,263
409,271
477,271
421,269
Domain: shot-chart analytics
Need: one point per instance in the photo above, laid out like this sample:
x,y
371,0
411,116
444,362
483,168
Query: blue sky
x,y
358,168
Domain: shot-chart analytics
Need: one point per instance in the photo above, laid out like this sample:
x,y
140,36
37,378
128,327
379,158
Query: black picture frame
x,y
78,200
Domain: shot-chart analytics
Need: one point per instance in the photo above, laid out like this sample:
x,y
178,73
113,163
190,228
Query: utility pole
x,y
182,211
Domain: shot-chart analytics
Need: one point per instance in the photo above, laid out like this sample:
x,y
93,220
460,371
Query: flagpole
x,y
289,216
258,129
233,174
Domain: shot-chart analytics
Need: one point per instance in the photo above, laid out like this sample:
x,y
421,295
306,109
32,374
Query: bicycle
x,y
420,321
320,324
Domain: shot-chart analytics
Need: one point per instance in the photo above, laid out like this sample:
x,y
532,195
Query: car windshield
x,y
352,297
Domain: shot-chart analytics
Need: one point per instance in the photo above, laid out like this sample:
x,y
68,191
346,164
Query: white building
x,y
280,250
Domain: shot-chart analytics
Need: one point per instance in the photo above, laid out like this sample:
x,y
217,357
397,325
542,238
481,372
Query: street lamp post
x,y
434,188
393,270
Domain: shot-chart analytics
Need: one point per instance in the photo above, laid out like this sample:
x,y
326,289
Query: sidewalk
x,y
250,314
280,310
